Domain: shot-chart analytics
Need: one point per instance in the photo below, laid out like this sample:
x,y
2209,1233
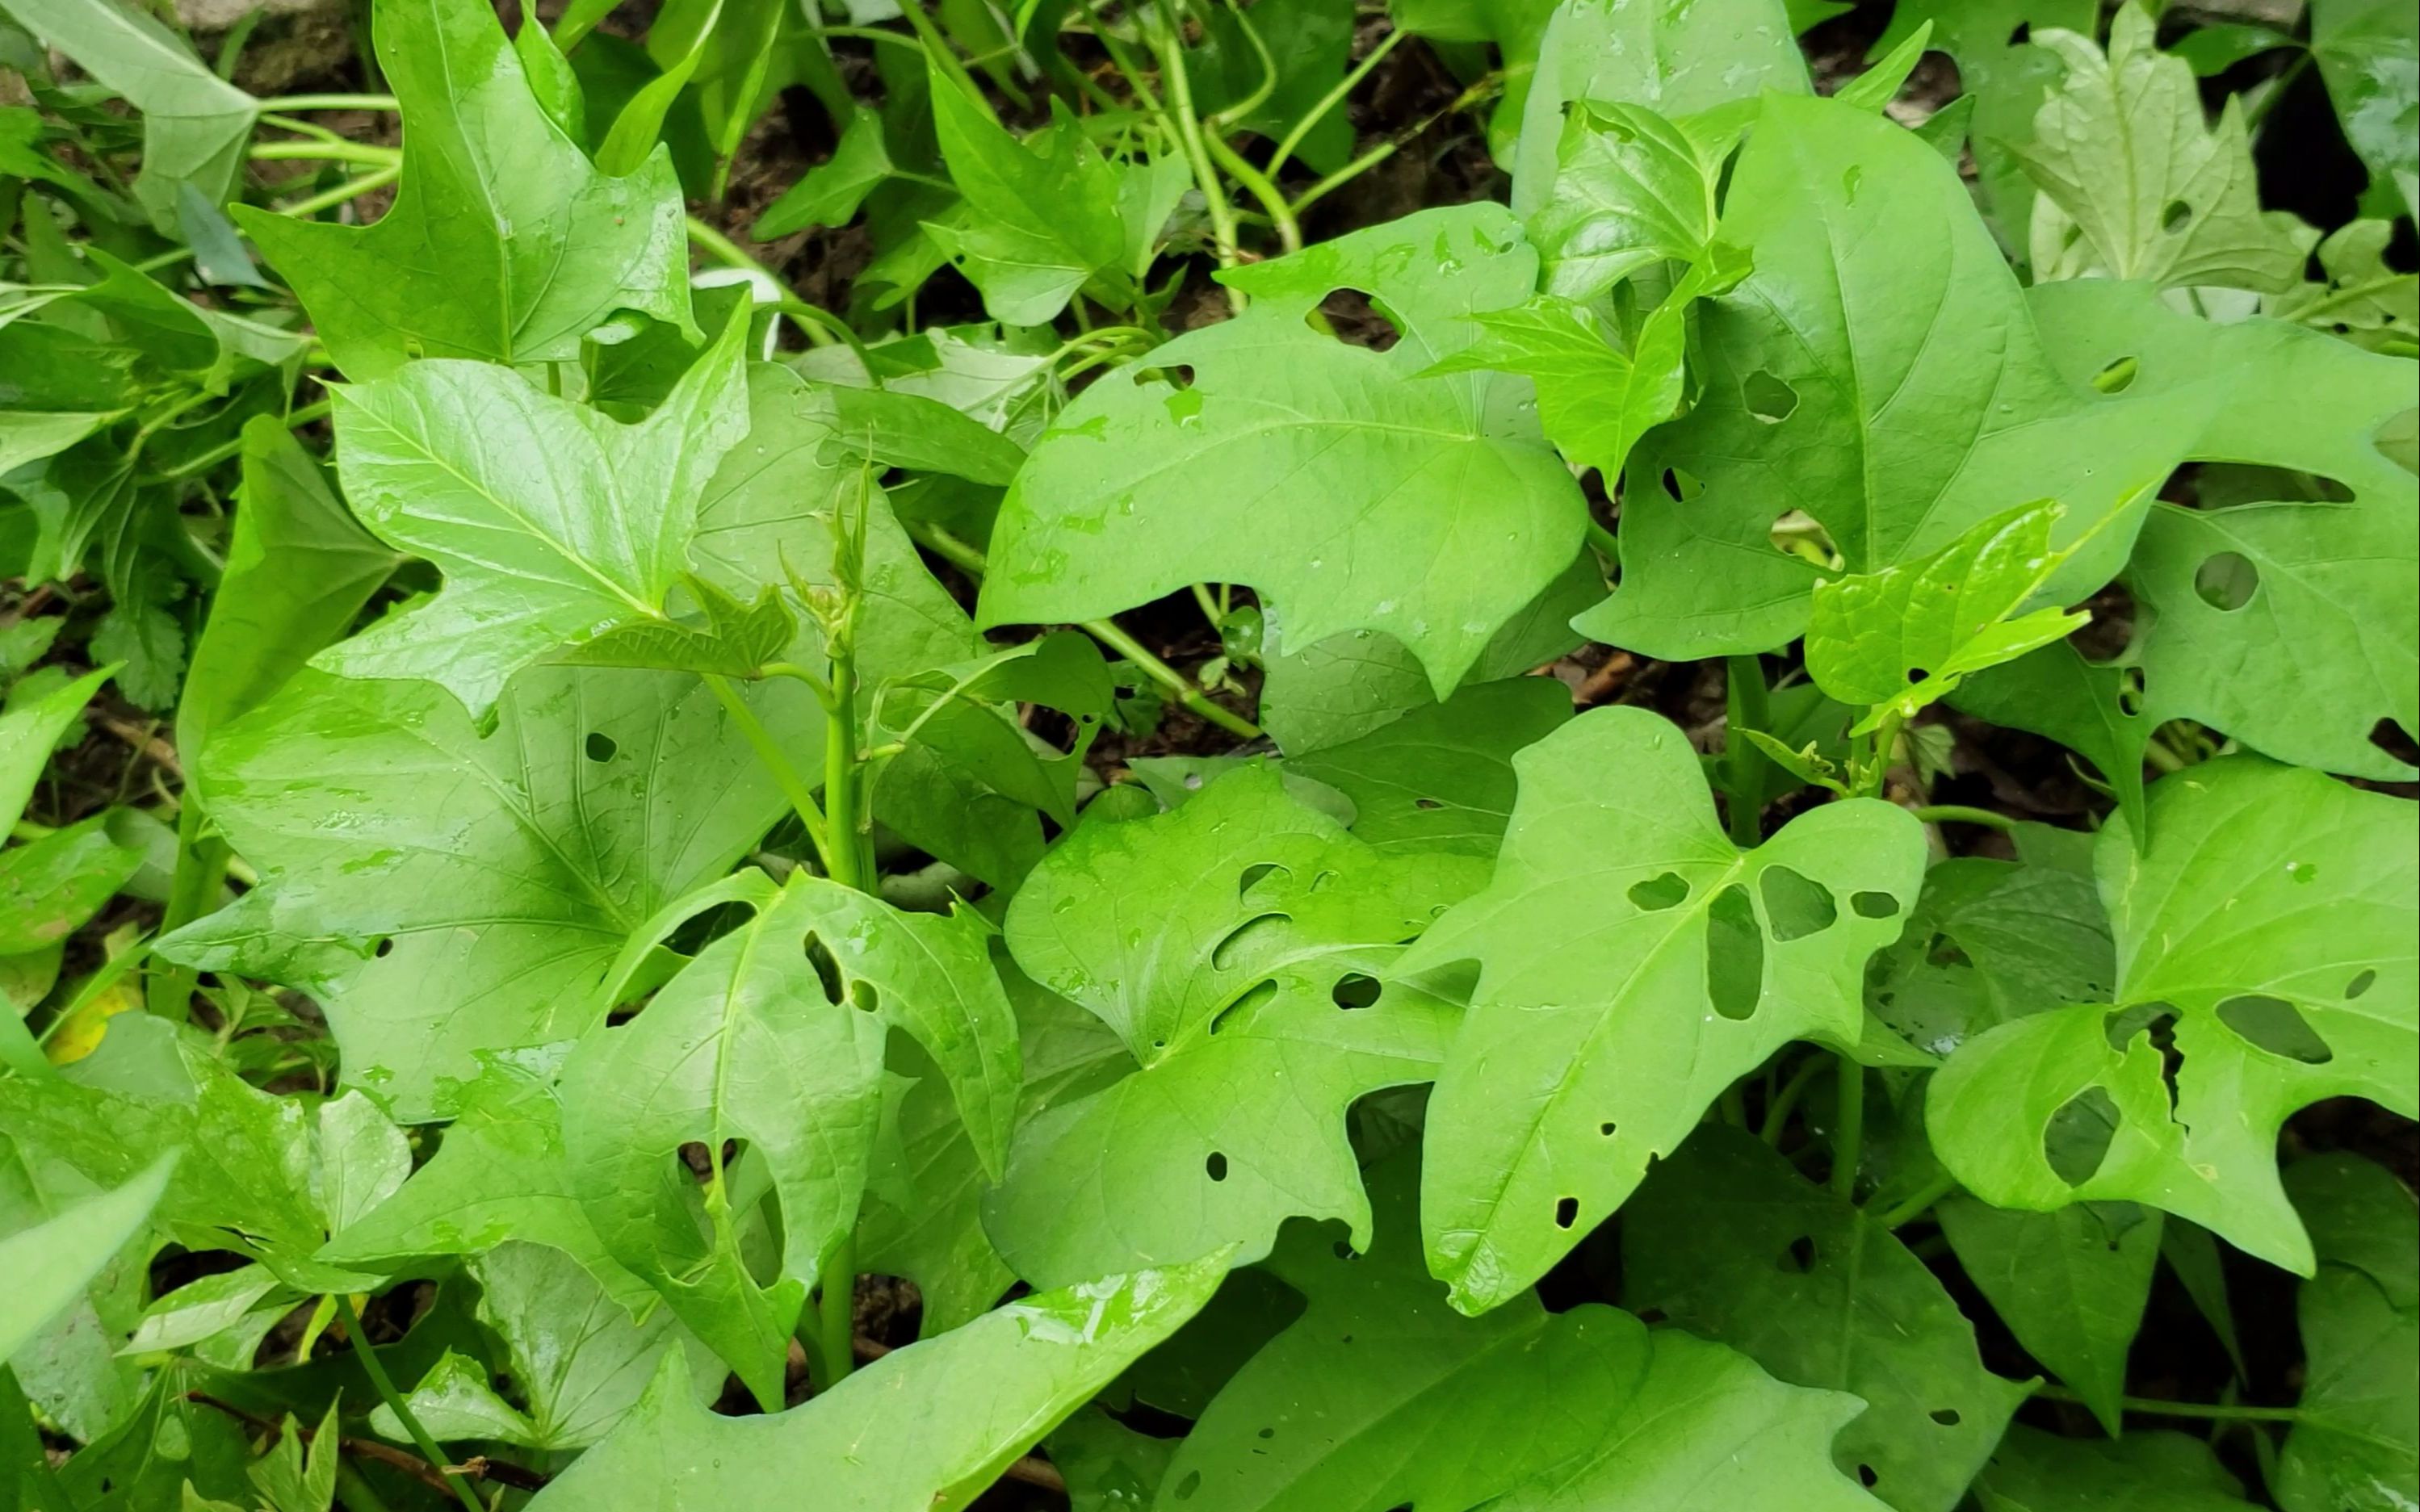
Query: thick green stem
x,y
1776,1116
1745,708
376,156
395,1404
294,102
836,1317
1257,183
1917,1206
776,760
1848,1129
350,189
1959,813
216,455
1329,100
1167,45
1608,544
2215,1411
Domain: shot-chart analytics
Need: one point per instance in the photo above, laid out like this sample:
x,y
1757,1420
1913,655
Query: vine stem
x,y
2215,1411
1329,100
379,1378
768,751
966,558
1916,1205
1169,49
1959,813
1746,708
284,103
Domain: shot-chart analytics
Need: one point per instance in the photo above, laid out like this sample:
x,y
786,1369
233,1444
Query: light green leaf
x,y
832,192
552,523
2271,920
2148,1470
926,1428
1880,85
2070,1285
1877,373
1440,778
194,123
1242,947
726,637
1381,1396
2363,298
362,1158
200,1309
50,1265
2136,183
1898,639
1380,472
774,1035
50,887
292,1478
474,257
1632,963
2369,52
2356,1447
441,894
30,731
1734,1245
1630,188
1040,218
297,571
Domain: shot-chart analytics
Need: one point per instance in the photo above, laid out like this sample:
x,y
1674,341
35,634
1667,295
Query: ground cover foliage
x,y
1624,755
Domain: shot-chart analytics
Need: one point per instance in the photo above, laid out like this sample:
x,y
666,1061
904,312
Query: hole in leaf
x,y
1945,951
2274,1025
1186,1488
2174,216
862,996
826,970
1251,934
1946,1416
1866,1478
1178,376
1873,905
1567,1211
599,746
1795,907
1653,1315
1353,990
1356,318
1680,486
1268,1433
2246,482
1216,1165
1252,875
1427,804
1240,1011
1658,893
2118,376
1797,534
2360,985
2021,34
2077,1138
1605,1127
384,948
2226,580
1768,397
1917,674
2129,692
1734,953
1798,1256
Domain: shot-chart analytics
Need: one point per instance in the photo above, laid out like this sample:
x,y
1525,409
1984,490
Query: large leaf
x,y
2144,1472
504,242
1331,477
1039,219
1877,373
2136,183
1632,963
51,1263
551,522
2070,1285
443,894
1241,946
297,570
1381,1396
926,1428
2271,922
2357,1445
194,123
773,1035
2369,52
1732,1244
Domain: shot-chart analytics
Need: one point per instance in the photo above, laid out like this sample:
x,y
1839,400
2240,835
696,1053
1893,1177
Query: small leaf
x,y
51,1263
832,192
2070,1285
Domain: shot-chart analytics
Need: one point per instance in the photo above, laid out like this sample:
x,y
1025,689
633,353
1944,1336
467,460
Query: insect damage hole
x,y
1567,1211
1735,954
1796,906
1356,318
2226,580
2274,1025
1946,1416
1657,893
2118,376
1253,875
2174,216
1873,905
1216,1165
1797,1257
1768,398
599,746
1244,938
2078,1136
1355,990
826,970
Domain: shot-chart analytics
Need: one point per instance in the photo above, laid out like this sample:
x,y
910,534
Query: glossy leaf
x,y
2369,52
1631,963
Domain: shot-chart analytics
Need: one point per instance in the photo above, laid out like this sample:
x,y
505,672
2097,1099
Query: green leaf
x,y
2369,52
298,572
50,887
2148,1470
194,123
1732,1244
1630,188
30,731
475,257
2070,1285
2134,184
1678,60
725,638
1381,1396
1242,947
2355,1447
832,192
570,1352
441,894
1899,639
773,1035
294,1479
1381,472
2363,298
362,1158
2270,921
51,1263
1040,218
1880,85
1441,778
1893,423
499,1175
1632,963
439,460
926,1428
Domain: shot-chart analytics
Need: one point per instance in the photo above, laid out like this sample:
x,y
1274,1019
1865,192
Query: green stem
x,y
1219,120
395,1404
1921,1202
1167,44
355,1492
294,102
836,1316
776,760
1959,813
1849,1130
1876,768
1776,1114
1486,88
201,868
844,773
721,247
966,558
1746,708
2215,1411
216,455
1608,544
1257,183
350,190
1329,100
376,156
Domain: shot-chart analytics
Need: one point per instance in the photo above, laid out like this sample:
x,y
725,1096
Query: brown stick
x,y
478,1468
